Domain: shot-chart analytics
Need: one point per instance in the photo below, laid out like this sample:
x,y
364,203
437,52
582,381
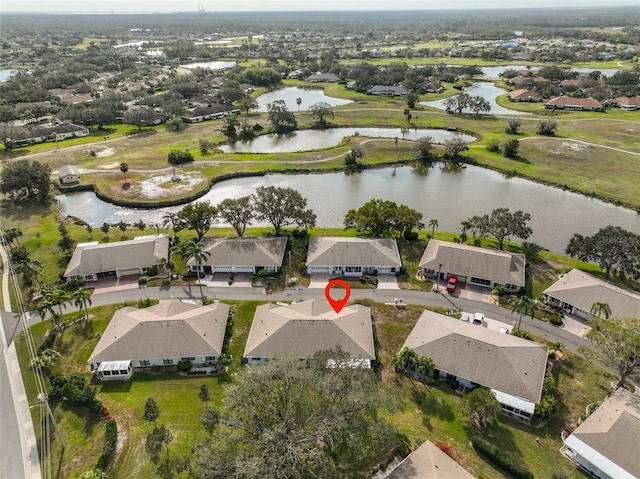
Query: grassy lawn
x,y
427,413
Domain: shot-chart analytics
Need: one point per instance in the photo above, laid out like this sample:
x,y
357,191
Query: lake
x,y
309,96
449,196
486,90
495,71
213,65
5,74
307,140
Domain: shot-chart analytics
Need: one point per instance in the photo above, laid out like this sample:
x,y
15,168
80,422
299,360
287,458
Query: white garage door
x,y
243,269
222,269
319,270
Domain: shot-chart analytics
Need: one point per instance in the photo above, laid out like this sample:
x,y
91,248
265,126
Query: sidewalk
x,y
19,452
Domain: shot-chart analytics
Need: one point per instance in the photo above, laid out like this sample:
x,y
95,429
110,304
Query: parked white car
x,y
478,318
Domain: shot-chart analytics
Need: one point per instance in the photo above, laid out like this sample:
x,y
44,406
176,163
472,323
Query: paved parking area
x,y
242,280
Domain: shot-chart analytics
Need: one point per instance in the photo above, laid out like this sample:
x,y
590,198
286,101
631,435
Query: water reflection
x,y
308,140
486,90
447,194
290,95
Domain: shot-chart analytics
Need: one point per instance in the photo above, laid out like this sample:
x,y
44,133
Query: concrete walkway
x,y
19,452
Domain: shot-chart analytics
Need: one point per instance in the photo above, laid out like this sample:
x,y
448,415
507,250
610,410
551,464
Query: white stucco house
x,y
512,367
305,328
473,265
91,261
353,256
577,291
161,335
606,443
241,255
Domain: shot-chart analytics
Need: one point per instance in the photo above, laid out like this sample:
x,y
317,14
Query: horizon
x,y
287,6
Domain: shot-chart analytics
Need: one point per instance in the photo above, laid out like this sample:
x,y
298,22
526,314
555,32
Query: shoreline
x,y
305,171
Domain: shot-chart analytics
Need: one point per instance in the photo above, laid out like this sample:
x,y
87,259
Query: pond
x,y
450,196
309,96
495,71
6,74
307,140
486,90
213,65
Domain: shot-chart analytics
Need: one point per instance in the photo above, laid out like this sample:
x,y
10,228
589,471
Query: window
x,y
167,361
209,358
106,373
124,371
481,281
145,362
187,359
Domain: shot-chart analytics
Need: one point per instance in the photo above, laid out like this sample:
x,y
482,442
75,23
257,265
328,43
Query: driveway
x,y
242,280
319,281
387,281
110,284
468,291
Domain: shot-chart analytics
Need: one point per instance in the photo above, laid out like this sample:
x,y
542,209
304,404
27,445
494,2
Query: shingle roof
x,y
496,360
69,170
429,462
582,290
302,329
524,94
569,101
170,329
97,258
613,430
327,251
496,265
245,251
628,100
323,77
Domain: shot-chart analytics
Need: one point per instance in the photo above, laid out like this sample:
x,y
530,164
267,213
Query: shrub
x,y
500,458
110,437
493,146
410,235
510,148
177,157
184,366
299,233
521,334
152,271
555,319
142,281
547,127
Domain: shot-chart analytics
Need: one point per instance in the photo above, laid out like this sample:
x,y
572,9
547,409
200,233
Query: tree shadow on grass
x,y
429,404
500,436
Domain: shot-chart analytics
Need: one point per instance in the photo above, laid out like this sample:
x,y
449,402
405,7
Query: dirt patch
x,y
104,153
574,147
109,166
164,185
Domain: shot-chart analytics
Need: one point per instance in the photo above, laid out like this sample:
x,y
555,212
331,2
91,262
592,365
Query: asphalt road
x,y
539,328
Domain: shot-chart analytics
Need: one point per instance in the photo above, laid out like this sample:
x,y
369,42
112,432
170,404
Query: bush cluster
x,y
500,458
299,233
73,388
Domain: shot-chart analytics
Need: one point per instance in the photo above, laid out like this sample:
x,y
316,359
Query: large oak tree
x,y
501,224
282,207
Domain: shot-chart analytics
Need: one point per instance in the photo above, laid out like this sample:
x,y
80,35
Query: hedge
x,y
500,458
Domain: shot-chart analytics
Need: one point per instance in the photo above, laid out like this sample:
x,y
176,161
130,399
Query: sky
x,y
153,6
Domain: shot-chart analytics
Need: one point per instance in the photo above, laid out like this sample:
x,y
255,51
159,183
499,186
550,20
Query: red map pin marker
x,y
337,304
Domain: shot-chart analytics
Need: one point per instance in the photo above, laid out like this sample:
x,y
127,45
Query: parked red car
x,y
452,283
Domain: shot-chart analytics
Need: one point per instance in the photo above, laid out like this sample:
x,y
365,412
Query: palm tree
x,y
299,102
523,305
434,224
172,220
601,309
141,225
81,298
195,250
29,268
124,168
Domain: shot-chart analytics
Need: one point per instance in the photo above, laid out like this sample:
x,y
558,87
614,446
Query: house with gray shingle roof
x,y
429,462
353,256
242,255
512,367
473,265
577,291
388,90
606,443
91,261
322,78
69,174
161,335
305,328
